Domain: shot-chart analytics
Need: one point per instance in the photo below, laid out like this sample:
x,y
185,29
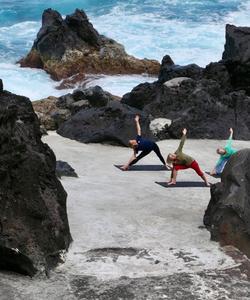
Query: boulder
x,y
158,125
113,123
52,111
176,82
218,71
236,56
228,213
34,230
44,109
71,46
142,95
169,70
64,169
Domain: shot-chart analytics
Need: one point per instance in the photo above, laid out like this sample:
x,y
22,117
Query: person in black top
x,y
143,145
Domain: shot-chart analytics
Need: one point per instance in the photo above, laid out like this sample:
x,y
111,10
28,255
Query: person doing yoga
x,y
143,145
181,161
225,153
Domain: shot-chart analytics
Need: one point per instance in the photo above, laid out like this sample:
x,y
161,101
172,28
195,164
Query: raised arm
x,y
183,139
138,126
230,139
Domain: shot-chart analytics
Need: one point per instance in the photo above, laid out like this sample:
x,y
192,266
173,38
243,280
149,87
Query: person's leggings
x,y
194,165
146,152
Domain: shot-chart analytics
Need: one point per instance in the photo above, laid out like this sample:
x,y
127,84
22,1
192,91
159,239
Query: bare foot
x,y
171,183
207,184
124,168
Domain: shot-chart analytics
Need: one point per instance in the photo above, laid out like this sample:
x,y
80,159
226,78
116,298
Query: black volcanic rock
x,y
236,56
64,169
237,44
228,214
71,47
113,123
202,106
1,85
219,72
34,226
169,70
52,111
142,95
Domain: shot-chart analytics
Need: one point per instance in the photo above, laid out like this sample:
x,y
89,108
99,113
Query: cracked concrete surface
x,y
134,238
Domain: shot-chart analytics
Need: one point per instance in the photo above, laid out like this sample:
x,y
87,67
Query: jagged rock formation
x,y
228,214
34,227
236,56
208,101
70,46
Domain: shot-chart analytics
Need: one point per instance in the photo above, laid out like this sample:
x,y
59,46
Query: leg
x,y
140,156
158,153
220,166
197,169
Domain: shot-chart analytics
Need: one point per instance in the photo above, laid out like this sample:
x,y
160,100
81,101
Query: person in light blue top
x,y
225,154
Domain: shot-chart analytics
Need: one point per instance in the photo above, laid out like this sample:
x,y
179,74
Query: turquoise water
x,y
190,31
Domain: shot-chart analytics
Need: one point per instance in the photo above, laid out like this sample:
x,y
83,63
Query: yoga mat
x,y
144,168
183,184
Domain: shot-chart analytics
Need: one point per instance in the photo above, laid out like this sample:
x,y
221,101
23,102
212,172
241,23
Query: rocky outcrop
x,y
228,214
169,70
70,46
236,56
112,123
52,111
208,101
34,228
63,169
201,105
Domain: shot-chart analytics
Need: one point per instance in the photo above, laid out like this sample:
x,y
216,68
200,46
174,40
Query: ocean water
x,y
191,31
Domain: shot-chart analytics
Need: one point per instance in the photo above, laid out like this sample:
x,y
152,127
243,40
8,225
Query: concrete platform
x,y
134,238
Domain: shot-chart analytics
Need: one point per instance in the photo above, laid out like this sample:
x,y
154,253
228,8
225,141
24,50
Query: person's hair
x,y
219,149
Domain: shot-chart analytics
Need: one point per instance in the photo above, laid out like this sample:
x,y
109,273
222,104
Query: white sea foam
x,y
144,34
120,85
32,83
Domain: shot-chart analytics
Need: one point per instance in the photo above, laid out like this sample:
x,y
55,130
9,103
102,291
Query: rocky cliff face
x,y
70,46
236,56
34,227
228,214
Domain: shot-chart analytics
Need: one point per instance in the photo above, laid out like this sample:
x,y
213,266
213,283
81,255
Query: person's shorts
x,y
220,166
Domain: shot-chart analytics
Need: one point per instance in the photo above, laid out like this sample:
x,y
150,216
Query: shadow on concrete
x,y
144,168
183,184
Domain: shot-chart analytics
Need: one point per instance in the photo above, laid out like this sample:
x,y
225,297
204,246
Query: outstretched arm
x,y
230,140
132,158
138,126
183,139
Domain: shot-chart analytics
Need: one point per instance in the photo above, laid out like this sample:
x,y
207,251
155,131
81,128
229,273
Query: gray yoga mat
x,y
183,184
144,168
